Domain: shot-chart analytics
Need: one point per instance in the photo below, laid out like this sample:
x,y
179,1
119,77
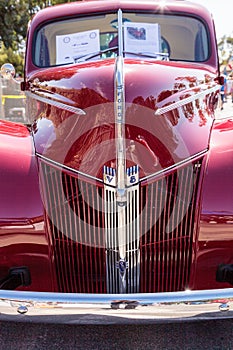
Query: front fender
x,y
23,241
215,243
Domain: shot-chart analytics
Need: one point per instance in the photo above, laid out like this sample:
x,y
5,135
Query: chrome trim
x,y
179,164
119,102
54,103
120,33
189,99
110,215
115,308
120,193
119,108
62,166
176,165
122,233
133,230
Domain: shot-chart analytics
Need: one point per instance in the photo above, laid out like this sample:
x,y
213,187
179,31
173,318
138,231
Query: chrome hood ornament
x,y
121,199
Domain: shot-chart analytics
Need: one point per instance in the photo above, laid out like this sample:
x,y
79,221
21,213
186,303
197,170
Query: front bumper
x,y
115,308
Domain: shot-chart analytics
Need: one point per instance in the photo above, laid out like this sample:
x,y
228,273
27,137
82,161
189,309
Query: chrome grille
x,y
169,230
83,235
122,236
74,210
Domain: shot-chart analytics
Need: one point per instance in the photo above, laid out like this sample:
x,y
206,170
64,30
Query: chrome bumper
x,y
115,308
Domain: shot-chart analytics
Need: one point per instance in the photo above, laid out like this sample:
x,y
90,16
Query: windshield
x,y
157,36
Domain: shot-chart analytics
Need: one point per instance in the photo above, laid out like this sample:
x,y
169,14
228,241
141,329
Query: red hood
x,y
157,135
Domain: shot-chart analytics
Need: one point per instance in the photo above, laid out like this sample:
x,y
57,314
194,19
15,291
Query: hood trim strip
x,y
186,100
64,106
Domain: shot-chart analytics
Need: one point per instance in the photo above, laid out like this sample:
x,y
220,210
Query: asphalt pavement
x,y
201,335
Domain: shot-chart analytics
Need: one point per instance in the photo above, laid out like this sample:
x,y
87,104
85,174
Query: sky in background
x,y
222,11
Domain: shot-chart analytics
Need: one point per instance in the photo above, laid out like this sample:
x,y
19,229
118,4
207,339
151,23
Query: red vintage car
x,y
118,192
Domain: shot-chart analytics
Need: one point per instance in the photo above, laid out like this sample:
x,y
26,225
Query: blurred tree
x,y
225,48
14,18
16,58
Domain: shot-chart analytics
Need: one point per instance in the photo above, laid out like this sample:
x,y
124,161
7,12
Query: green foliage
x,y
230,40
14,18
16,58
227,39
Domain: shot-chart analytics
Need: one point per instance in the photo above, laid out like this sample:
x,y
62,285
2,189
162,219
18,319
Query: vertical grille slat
x,y
82,220
74,231
187,178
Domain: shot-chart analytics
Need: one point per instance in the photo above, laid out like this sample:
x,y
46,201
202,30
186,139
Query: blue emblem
x,y
122,265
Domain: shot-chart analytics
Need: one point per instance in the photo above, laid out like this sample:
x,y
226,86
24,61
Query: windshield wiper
x,y
83,58
157,55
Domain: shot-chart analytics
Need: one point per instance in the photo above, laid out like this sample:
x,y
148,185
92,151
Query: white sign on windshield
x,y
70,46
142,37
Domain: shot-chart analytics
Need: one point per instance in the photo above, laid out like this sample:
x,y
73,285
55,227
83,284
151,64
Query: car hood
x,y
168,114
